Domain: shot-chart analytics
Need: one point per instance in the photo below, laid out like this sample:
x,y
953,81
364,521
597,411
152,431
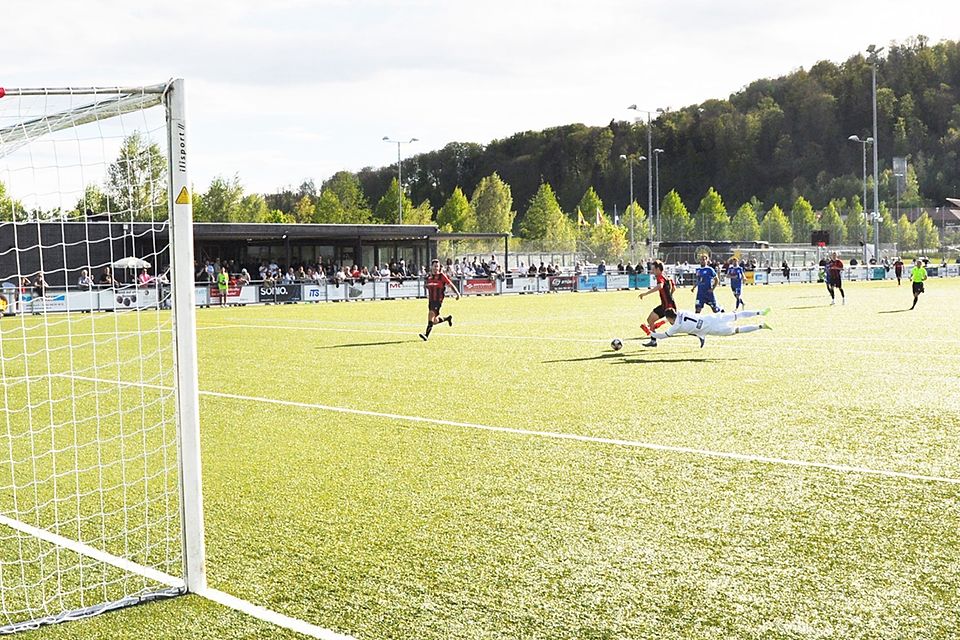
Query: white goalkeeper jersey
x,y
697,324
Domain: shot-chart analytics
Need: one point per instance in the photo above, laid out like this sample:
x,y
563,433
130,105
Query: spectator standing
x,y
85,282
223,285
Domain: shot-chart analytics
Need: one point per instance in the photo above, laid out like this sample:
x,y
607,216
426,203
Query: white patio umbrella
x,y
131,262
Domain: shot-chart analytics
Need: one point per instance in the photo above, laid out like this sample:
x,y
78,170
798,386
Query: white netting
x,y
88,442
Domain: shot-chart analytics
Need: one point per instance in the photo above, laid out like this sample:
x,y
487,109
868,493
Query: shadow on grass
x,y
633,358
894,311
366,344
813,306
602,356
662,360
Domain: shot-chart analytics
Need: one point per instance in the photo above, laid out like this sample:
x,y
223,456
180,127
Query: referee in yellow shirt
x,y
917,275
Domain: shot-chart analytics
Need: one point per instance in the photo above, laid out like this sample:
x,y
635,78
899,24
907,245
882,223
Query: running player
x,y
898,269
437,283
735,275
720,324
666,287
833,271
706,282
917,275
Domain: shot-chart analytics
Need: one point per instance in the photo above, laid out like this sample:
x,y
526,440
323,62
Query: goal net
x,y
99,464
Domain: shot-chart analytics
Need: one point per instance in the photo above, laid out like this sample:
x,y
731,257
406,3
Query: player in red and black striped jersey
x,y
832,272
666,287
437,283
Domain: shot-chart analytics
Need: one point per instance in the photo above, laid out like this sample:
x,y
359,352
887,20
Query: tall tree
x,y
10,209
906,233
346,187
635,222
456,214
802,219
775,226
744,226
606,240
137,181
305,211
888,227
545,221
675,221
492,203
421,214
591,205
220,202
927,235
856,224
253,208
387,209
712,215
93,202
329,210
831,222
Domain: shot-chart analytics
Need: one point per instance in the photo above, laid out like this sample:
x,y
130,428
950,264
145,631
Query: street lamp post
x,y
874,59
630,159
399,173
649,171
656,164
856,138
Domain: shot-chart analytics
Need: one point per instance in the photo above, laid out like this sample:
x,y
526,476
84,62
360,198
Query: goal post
x,y
100,479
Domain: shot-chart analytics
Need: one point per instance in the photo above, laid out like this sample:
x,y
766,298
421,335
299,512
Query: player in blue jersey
x,y
735,275
706,282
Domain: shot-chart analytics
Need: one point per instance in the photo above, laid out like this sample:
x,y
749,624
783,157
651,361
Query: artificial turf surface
x,y
391,527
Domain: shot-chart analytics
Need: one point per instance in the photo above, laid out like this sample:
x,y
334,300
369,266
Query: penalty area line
x,y
556,435
651,446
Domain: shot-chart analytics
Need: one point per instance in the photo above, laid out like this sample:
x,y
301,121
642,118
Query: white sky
x,y
284,90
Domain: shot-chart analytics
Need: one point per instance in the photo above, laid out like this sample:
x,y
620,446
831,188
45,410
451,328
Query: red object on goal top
x,y
821,244
2,92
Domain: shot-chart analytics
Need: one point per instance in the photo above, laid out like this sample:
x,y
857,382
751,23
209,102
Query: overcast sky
x,y
284,90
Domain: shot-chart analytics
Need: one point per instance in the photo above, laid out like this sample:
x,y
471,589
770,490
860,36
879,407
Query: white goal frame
x,y
117,101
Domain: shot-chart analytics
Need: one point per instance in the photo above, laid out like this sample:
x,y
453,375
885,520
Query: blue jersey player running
x,y
706,282
735,275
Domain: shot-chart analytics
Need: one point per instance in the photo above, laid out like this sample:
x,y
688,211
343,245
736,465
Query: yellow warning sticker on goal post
x,y
183,197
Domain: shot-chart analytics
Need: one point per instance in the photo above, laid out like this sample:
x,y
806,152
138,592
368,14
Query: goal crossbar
x,y
16,136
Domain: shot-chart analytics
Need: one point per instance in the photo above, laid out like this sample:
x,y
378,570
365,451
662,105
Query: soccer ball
x,y
616,344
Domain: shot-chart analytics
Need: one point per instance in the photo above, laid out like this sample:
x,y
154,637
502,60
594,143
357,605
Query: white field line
x,y
713,340
96,554
158,576
652,446
411,332
294,624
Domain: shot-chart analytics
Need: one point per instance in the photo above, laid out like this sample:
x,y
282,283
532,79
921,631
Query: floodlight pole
x,y
399,174
874,60
656,161
649,174
633,213
856,138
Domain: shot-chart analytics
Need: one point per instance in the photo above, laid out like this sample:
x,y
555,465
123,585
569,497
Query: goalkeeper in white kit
x,y
716,324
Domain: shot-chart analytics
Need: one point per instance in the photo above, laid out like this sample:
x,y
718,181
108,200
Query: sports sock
x,y
749,327
659,323
429,328
645,328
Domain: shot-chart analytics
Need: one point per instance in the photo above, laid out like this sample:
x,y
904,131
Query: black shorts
x,y
434,305
917,288
834,282
661,310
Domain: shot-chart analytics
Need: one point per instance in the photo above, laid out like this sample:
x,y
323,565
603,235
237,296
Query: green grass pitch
x,y
424,524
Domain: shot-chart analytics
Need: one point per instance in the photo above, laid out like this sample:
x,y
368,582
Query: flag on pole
x,y
600,219
581,222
